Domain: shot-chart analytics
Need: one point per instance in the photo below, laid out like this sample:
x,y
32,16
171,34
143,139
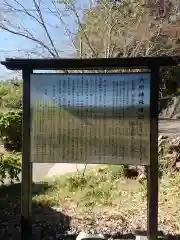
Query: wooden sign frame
x,y
29,65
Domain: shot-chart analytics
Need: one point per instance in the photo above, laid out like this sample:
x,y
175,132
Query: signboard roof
x,y
99,63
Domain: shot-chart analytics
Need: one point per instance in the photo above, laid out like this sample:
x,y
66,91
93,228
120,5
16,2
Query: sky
x,y
85,90
15,46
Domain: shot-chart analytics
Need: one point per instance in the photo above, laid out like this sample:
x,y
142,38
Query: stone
x,y
178,165
173,19
84,236
141,238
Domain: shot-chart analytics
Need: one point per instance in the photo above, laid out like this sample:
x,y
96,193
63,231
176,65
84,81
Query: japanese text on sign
x,y
90,118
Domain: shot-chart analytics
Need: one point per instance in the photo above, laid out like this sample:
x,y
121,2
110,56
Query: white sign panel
x,y
90,118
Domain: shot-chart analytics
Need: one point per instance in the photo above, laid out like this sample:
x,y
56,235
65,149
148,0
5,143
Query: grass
x,y
94,184
103,199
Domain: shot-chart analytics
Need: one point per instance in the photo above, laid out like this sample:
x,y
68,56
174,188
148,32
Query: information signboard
x,y
90,118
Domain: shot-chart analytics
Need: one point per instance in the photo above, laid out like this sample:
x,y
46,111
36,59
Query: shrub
x,y
10,129
10,166
10,94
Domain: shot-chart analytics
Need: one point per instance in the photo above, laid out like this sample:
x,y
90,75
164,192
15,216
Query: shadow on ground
x,y
47,223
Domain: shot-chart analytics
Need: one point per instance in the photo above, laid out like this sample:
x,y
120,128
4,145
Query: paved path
x,y
169,127
49,170
40,171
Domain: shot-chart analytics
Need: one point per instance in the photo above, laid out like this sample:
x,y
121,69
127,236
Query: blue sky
x,y
11,44
42,89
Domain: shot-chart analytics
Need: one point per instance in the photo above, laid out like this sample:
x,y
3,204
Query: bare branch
x,y
73,9
22,11
45,28
28,37
59,16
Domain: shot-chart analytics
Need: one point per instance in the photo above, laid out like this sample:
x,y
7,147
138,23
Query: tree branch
x,y
44,26
58,15
28,37
82,29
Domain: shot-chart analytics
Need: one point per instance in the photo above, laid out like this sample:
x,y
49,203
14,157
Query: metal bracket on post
x,y
152,181
26,180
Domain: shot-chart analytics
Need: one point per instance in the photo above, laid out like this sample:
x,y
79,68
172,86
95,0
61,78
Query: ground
x,y
101,199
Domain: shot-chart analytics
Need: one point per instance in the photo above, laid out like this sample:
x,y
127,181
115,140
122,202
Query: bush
x,y
11,130
10,94
10,166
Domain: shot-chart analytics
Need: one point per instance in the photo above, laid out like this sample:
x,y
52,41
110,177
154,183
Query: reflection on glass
x,y
92,118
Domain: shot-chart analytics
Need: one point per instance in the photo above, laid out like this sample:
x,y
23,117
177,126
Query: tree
x,y
142,32
105,29
111,31
108,26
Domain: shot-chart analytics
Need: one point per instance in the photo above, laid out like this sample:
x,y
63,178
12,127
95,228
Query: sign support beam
x,y
152,181
26,182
